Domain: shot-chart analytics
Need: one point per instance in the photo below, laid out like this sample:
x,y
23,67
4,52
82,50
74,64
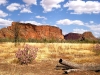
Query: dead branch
x,y
69,66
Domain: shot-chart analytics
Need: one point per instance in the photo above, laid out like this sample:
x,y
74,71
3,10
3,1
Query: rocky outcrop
x,y
72,36
82,37
88,36
30,31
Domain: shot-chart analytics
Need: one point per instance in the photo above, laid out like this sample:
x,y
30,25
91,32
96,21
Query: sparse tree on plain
x,y
16,30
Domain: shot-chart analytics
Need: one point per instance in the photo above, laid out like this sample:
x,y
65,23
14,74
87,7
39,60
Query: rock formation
x,y
88,36
76,36
30,31
72,36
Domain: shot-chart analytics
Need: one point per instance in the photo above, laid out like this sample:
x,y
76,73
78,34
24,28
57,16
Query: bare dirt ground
x,y
38,68
47,59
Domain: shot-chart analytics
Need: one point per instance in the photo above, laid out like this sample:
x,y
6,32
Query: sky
x,y
75,16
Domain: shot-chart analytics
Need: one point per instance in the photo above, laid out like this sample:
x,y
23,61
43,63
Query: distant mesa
x,y
89,36
72,36
31,31
81,37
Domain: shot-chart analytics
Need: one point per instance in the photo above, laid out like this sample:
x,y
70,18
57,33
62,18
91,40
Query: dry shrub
x,y
97,49
27,54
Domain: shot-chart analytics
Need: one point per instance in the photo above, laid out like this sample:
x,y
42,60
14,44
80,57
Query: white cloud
x,y
32,22
64,22
14,6
91,22
5,22
25,10
95,27
64,32
3,2
41,17
30,2
69,22
81,31
48,5
80,7
75,0
3,14
55,25
97,34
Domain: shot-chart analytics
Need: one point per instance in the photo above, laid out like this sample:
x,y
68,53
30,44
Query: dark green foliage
x,y
6,40
47,41
21,40
31,40
98,40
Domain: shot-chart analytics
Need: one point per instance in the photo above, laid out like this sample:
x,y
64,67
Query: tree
x,y
16,30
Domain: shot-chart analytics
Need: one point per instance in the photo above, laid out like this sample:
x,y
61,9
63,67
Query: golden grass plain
x,y
75,52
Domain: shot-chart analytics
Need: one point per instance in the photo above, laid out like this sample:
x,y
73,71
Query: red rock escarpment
x,y
30,31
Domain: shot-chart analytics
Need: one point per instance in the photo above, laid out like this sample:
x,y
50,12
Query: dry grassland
x,y
76,52
47,58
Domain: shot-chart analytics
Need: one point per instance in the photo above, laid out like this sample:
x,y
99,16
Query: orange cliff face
x,y
30,31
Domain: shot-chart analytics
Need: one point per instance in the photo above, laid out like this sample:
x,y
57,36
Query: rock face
x,y
72,36
76,36
88,35
30,31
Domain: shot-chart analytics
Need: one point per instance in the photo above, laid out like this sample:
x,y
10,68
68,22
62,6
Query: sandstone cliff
x,y
30,31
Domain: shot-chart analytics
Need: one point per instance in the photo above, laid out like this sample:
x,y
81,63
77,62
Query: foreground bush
x,y
27,54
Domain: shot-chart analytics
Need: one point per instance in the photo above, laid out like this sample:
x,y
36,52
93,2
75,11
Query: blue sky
x,y
75,16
